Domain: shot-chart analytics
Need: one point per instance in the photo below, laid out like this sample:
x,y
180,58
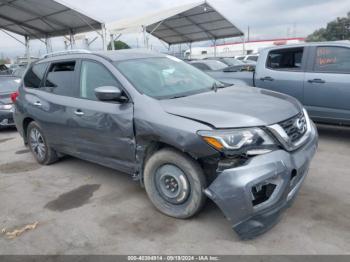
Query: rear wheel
x,y
37,142
174,183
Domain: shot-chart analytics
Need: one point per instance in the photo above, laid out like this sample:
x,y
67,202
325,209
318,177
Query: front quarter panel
x,y
153,124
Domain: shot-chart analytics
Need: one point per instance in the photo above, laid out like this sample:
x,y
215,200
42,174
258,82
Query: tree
x,y
118,45
5,61
338,29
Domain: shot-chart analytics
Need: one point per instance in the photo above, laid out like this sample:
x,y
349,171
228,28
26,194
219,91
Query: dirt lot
x,y
83,208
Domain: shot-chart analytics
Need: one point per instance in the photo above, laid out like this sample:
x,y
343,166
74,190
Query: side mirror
x,y
110,93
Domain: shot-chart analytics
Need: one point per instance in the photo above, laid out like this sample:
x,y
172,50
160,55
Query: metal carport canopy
x,y
184,24
36,19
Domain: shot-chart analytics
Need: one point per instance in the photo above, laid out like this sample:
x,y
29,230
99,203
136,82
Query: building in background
x,y
239,48
23,60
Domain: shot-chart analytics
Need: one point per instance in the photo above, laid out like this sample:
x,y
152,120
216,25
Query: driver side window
x,y
94,75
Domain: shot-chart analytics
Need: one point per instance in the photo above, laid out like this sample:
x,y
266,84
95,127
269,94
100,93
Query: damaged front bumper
x,y
253,196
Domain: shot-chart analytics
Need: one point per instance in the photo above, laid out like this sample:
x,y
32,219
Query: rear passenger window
x,y
35,75
285,59
332,59
60,79
94,75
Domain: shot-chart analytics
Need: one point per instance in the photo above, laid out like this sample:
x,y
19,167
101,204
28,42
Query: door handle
x,y
267,78
37,103
78,112
317,81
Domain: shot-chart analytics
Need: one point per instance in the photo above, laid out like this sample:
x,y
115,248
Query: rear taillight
x,y
14,96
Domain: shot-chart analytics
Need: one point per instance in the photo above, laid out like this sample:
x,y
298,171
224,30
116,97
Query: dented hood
x,y
235,107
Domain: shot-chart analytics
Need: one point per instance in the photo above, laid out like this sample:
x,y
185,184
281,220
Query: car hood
x,y
235,107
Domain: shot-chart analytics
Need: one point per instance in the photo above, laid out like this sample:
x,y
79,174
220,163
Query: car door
x,y
36,105
60,91
32,83
327,84
283,71
105,130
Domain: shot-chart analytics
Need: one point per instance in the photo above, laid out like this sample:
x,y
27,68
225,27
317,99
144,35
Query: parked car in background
x,y
208,65
4,70
231,75
222,72
248,59
8,85
251,58
19,71
233,64
229,61
180,132
317,74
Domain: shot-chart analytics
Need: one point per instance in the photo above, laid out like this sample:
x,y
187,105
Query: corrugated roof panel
x,y
44,18
12,12
183,24
215,25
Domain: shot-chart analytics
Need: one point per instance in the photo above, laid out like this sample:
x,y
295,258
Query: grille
x,y
295,127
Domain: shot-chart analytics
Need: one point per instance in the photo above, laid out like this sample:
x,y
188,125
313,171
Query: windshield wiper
x,y
215,86
176,97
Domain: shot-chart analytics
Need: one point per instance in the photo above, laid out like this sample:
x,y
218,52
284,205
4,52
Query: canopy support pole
x,y
215,51
113,39
27,50
88,43
244,46
104,37
145,40
159,24
169,48
190,50
71,40
48,45
66,45
112,42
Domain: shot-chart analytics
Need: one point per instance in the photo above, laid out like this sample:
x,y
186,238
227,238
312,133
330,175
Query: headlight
x,y
6,107
251,141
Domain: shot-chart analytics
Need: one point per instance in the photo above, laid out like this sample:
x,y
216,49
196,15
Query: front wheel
x,y
37,142
174,183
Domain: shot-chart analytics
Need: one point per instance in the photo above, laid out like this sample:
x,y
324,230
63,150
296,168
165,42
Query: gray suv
x,y
178,131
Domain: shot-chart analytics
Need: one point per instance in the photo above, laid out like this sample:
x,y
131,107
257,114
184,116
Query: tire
x,y
48,156
186,172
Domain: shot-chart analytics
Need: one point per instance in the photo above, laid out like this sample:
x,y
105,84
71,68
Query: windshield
x,y
166,77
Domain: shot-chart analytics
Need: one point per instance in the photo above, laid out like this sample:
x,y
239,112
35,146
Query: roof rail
x,y
66,52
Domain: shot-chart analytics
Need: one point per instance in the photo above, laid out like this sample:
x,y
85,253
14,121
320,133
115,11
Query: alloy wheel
x,y
37,144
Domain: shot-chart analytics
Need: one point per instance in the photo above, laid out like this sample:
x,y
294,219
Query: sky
x,y
266,18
